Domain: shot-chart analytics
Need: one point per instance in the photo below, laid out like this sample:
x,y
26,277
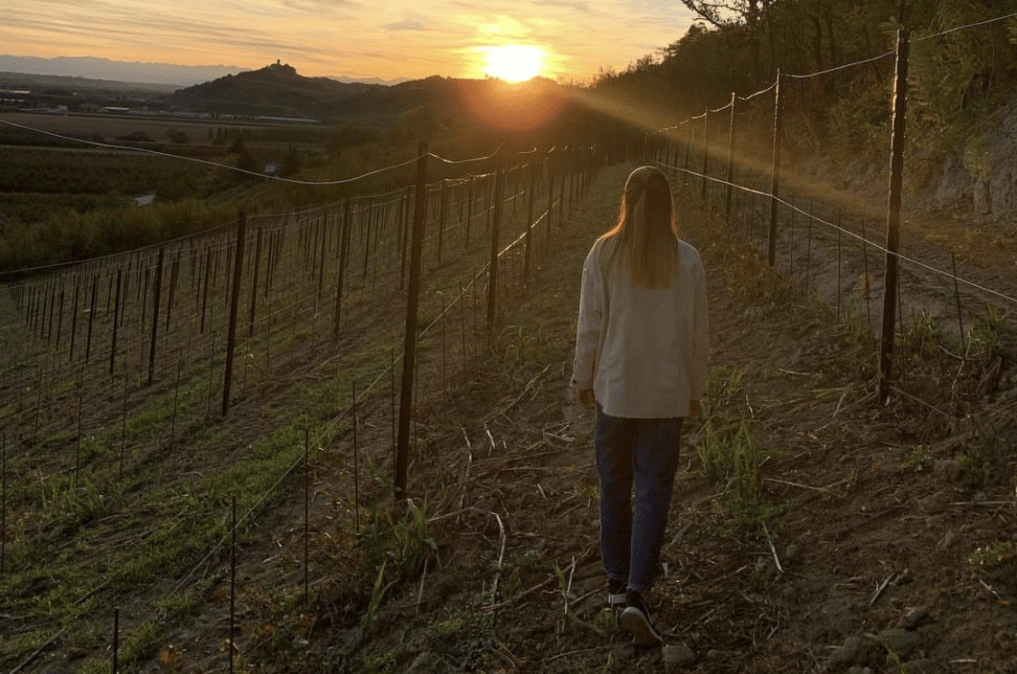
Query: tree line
x,y
739,46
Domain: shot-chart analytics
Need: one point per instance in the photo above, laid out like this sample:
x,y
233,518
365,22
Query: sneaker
x,y
617,593
636,619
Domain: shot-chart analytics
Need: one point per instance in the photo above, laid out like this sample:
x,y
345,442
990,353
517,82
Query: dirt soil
x,y
882,538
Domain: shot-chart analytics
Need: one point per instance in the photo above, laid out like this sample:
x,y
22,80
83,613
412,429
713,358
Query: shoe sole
x,y
642,631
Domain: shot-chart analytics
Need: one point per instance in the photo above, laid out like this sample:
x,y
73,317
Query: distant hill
x,y
278,90
274,90
33,81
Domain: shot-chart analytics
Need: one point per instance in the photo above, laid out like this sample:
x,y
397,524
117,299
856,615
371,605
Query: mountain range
x,y
134,73
278,90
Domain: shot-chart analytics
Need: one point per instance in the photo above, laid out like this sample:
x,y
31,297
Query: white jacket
x,y
642,351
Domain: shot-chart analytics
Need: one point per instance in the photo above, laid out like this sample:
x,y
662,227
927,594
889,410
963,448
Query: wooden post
x,y
957,300
307,516
775,171
365,235
550,192
60,316
116,640
322,241
204,290
492,286
47,310
469,210
688,145
706,152
529,222
254,285
91,317
730,158
3,501
116,323
156,294
231,335
356,463
900,86
565,168
174,277
233,579
344,243
442,214
410,334
404,238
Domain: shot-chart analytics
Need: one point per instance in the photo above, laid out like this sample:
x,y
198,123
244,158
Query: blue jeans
x,y
635,457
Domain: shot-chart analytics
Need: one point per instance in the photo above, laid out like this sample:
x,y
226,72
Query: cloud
x,y
408,24
411,21
328,37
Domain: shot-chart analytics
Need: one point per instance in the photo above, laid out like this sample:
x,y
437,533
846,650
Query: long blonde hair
x,y
646,232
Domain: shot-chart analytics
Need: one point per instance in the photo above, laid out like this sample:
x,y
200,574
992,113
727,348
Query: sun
x,y
514,63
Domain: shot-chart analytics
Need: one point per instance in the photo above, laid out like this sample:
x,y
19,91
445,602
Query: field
x,y
58,192
861,535
110,127
42,164
861,538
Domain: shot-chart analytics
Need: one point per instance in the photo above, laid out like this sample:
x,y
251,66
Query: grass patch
x,y
732,461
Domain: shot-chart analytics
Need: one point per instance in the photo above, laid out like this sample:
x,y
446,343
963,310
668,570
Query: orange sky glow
x,y
564,40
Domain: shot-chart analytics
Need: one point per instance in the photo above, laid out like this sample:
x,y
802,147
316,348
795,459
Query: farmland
x,y
865,527
66,175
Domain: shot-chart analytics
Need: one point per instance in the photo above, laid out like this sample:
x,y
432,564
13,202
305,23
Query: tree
x,y
351,134
177,136
243,158
291,163
416,124
720,14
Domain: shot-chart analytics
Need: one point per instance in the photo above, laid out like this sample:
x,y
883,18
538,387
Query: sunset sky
x,y
390,39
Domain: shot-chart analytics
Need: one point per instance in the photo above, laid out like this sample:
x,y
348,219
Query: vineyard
x,y
149,353
203,440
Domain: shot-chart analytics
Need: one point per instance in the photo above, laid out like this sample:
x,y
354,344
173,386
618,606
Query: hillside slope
x,y
278,90
870,535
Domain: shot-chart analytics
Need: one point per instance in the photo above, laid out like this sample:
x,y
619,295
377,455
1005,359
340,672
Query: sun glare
x,y
514,63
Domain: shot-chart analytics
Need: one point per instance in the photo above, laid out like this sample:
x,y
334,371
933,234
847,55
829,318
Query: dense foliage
x,y
739,47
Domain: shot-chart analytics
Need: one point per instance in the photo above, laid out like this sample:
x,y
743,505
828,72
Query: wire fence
x,y
834,246
109,366
112,366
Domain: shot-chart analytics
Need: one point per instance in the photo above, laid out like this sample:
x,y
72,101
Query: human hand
x,y
585,397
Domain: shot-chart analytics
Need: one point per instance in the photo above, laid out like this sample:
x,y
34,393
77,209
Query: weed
x,y
447,628
400,546
714,455
79,506
732,462
465,636
858,331
725,382
987,330
920,338
919,460
606,620
991,556
563,583
377,594
986,456
895,660
381,664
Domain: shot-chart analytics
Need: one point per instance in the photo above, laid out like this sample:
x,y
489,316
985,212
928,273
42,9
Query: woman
x,y
641,349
